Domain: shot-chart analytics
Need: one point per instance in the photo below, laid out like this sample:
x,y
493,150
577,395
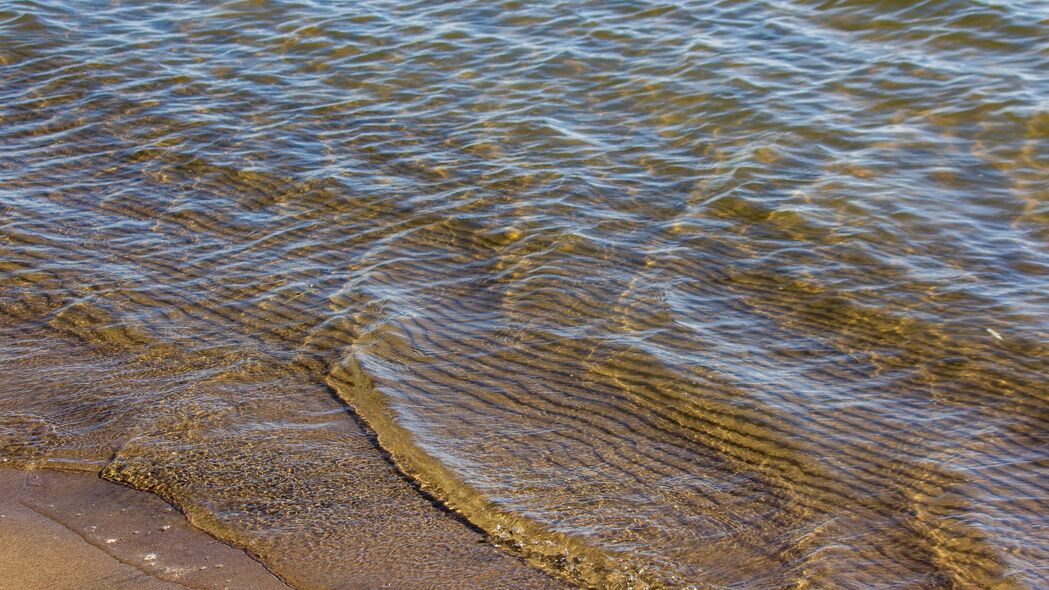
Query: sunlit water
x,y
735,294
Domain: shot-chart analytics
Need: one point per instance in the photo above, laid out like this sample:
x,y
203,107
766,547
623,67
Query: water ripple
x,y
655,294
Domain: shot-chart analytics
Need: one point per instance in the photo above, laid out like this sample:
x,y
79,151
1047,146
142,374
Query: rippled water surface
x,y
731,294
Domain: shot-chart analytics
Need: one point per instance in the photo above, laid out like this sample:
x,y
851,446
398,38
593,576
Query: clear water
x,y
717,294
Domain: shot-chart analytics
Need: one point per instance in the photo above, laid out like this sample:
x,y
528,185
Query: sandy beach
x,y
71,530
501,295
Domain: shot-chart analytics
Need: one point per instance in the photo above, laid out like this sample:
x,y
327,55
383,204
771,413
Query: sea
x,y
625,294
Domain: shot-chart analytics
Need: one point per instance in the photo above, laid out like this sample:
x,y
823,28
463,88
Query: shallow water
x,y
736,294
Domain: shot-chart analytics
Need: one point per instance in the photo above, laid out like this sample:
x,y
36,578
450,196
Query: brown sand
x,y
71,530
265,459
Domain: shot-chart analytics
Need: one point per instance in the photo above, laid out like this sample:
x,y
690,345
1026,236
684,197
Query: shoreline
x,y
74,530
314,500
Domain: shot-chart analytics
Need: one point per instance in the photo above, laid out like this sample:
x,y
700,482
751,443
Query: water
x,y
736,294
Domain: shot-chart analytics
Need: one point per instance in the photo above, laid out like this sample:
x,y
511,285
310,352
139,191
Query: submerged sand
x,y
71,530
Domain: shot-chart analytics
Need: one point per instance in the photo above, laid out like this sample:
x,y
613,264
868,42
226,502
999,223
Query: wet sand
x,y
470,295
71,530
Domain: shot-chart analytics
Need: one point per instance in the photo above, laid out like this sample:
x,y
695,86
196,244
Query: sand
x,y
71,530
